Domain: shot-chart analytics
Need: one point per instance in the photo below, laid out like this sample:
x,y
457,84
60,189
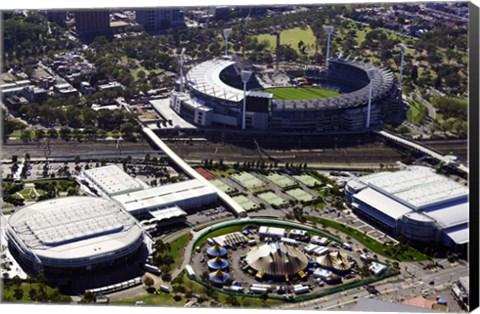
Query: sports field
x,y
246,203
300,195
223,186
247,180
308,180
281,180
272,199
298,93
291,37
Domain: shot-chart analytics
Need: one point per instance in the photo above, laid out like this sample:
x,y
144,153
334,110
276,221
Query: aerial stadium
x,y
346,95
73,235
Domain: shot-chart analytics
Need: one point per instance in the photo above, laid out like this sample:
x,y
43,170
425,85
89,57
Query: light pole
x,y
245,78
181,69
329,30
226,34
402,52
371,75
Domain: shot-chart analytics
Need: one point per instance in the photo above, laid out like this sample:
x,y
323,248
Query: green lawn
x,y
296,93
292,37
416,112
407,254
161,299
9,290
177,248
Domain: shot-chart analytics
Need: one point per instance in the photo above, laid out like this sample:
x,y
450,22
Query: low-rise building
x,y
110,87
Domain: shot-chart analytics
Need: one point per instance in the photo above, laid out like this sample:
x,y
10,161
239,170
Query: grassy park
x,y
292,37
416,112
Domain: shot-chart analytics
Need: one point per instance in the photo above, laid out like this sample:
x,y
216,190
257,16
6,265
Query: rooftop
x,y
163,196
387,205
417,187
113,180
74,227
205,78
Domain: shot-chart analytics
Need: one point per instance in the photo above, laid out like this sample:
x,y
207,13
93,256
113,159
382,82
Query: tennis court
x,y
307,180
272,199
281,180
223,186
300,195
247,180
245,202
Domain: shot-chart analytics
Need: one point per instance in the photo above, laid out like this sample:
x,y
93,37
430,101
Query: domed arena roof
x,y
277,259
73,231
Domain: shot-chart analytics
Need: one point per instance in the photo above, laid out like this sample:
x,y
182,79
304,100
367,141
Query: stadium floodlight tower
x,y
402,52
371,75
245,78
329,30
181,69
226,34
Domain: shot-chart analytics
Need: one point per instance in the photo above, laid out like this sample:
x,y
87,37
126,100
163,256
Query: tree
x,y
39,133
414,74
233,301
52,133
88,297
16,281
403,129
149,282
141,74
264,298
18,293
127,129
26,134
32,294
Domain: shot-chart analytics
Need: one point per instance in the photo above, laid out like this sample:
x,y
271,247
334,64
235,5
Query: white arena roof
x,y
383,203
112,180
205,78
164,196
73,228
451,216
417,187
460,236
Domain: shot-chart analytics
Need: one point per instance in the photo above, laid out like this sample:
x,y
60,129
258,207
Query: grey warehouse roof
x,y
112,180
163,196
